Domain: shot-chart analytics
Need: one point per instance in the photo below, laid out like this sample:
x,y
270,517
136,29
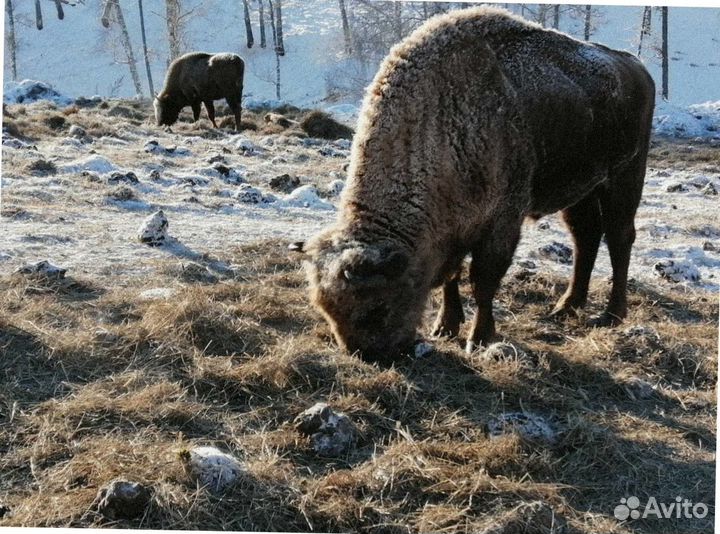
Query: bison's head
x,y
367,295
166,113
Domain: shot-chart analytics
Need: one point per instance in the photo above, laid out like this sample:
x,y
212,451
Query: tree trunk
x,y
172,12
556,16
346,26
59,8
250,40
261,11
588,21
105,17
645,27
10,38
127,45
38,15
397,23
279,29
273,28
665,63
145,49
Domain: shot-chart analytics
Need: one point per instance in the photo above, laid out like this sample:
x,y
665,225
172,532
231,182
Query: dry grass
x,y
96,383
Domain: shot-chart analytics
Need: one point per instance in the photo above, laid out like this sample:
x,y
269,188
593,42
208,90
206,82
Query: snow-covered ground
x,y
214,188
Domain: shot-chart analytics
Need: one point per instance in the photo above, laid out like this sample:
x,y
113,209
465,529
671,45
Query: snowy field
x,y
83,212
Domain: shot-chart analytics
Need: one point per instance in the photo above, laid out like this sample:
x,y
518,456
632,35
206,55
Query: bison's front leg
x,y
490,261
210,107
196,110
451,312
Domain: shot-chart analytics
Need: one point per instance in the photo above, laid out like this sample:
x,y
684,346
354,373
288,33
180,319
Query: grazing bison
x,y
474,122
197,78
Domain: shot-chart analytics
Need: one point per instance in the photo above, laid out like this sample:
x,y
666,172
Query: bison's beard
x,y
165,113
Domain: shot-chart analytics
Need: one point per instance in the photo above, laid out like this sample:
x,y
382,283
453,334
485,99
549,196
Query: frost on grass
x,y
211,468
529,426
505,352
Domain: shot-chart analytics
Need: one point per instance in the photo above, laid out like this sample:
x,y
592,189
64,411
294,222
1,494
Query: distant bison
x,y
474,122
201,78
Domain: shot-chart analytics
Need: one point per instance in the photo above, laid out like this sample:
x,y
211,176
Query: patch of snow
x,y
306,196
698,120
93,163
529,426
28,91
677,271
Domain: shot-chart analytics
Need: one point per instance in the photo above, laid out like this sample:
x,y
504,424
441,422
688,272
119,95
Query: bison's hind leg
x,y
584,221
619,202
451,313
196,110
236,107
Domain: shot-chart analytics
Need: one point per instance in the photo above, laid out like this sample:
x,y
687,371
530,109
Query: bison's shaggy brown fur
x,y
197,78
474,122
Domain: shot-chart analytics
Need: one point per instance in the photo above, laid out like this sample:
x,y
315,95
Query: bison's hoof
x,y
604,320
563,312
440,330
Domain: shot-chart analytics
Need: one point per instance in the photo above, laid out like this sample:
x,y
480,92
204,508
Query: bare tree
x,y
346,26
38,15
280,46
261,16
249,40
664,54
113,6
10,40
174,22
556,16
588,21
145,48
646,27
273,30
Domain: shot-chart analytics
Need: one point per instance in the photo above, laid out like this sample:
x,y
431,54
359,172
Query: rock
x,y
332,152
639,389
122,499
422,349
343,144
709,190
331,433
335,188
216,158
527,264
153,230
709,246
43,269
90,176
677,271
246,147
284,183
505,352
676,187
122,194
123,177
211,468
154,175
248,194
228,174
77,131
4,510
557,252
529,426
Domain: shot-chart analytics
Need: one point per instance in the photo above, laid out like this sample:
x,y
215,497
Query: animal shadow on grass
x,y
214,266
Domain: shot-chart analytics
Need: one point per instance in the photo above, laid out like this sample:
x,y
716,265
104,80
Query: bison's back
x,y
201,76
